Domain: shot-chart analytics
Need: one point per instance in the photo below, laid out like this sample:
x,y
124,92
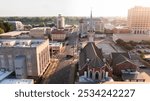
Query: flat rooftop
x,y
55,44
40,28
13,33
20,42
4,74
17,81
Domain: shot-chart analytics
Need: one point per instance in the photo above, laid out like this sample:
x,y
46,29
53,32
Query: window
x,y
2,61
90,74
97,76
10,62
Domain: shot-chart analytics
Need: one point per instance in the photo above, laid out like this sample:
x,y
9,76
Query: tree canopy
x,y
5,26
1,31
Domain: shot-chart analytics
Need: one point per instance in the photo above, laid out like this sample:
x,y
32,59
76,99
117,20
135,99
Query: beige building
x,y
58,35
139,20
131,37
99,26
56,46
27,58
40,32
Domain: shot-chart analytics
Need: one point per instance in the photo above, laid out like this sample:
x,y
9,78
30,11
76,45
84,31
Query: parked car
x,y
69,56
142,66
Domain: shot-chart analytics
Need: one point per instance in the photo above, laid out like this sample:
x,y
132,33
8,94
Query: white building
x,y
4,78
60,22
26,57
17,81
56,46
17,25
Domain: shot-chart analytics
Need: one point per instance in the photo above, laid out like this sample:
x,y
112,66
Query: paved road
x,y
59,72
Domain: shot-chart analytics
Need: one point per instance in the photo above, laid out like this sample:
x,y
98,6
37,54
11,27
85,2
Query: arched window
x,y
90,74
103,74
97,76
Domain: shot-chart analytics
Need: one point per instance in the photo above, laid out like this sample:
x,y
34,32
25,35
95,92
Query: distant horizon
x,y
79,8
66,16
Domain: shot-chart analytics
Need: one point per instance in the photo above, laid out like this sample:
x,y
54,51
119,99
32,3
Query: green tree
x,y
1,31
6,26
120,42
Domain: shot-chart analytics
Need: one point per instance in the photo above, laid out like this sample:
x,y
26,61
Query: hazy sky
x,y
68,7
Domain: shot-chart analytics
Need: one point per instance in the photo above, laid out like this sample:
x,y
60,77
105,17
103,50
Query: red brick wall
x,y
126,65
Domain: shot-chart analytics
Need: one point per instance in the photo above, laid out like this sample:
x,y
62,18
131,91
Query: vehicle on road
x,y
69,56
142,67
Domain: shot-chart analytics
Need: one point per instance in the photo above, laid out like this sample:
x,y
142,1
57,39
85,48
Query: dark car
x,y
69,56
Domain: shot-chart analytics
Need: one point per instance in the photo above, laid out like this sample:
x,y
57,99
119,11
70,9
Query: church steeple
x,y
91,29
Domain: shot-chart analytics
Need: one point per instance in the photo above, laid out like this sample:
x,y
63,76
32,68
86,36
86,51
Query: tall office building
x,y
83,27
139,20
99,25
60,22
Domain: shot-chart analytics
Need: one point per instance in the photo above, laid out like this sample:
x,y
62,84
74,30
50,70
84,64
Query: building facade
x,y
139,20
131,37
122,61
83,28
40,32
27,58
99,26
58,35
17,25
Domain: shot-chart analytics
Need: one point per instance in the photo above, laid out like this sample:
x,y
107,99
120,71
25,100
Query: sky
x,y
68,7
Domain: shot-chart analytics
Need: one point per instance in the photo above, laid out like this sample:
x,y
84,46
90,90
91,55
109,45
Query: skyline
x,y
69,7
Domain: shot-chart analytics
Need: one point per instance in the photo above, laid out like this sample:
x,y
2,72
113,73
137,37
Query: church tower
x,y
91,32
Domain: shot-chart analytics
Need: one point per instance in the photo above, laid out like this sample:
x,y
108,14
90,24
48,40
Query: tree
x,y
1,31
128,46
6,26
120,42
132,43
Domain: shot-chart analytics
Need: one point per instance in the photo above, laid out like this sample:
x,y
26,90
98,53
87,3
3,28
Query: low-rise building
x,y
132,76
56,46
122,61
121,30
26,57
58,35
131,37
13,34
17,81
40,32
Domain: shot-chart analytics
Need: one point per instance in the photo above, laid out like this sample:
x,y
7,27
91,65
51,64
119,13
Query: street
x,y
61,69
